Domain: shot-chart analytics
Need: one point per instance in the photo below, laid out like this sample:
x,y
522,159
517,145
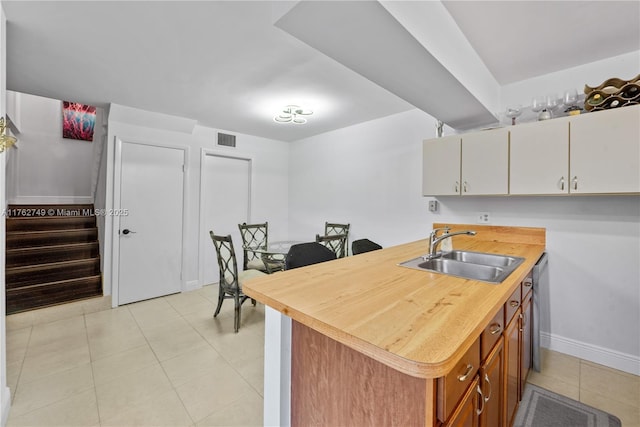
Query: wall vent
x,y
226,140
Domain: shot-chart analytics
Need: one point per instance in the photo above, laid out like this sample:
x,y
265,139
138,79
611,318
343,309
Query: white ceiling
x,y
227,66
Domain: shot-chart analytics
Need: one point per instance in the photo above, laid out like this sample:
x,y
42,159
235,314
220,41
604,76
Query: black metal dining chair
x,y
361,246
336,242
230,283
303,254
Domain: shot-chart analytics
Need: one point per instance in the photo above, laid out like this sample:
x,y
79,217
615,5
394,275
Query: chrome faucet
x,y
434,240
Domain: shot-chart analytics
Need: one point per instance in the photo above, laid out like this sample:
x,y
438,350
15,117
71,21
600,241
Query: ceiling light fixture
x,y
292,114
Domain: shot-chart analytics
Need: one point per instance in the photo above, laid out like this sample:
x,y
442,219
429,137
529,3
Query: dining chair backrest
x,y
336,242
256,236
226,262
303,254
333,228
364,245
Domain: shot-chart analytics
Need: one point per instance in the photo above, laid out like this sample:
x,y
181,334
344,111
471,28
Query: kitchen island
x,y
372,343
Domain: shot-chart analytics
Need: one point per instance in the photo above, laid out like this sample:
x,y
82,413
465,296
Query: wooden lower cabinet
x,y
466,413
491,384
526,330
511,368
332,384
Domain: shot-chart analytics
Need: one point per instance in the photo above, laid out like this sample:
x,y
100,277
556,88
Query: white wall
x,y
270,169
48,168
367,175
5,393
370,176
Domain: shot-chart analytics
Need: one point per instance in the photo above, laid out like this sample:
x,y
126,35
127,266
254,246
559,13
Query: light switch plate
x,y
433,206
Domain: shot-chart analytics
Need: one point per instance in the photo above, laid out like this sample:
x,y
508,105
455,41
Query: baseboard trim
x,y
6,406
51,200
192,285
593,353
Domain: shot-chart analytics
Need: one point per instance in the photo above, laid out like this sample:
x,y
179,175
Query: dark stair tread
x,y
45,295
24,239
48,265
55,282
52,253
45,248
49,223
17,277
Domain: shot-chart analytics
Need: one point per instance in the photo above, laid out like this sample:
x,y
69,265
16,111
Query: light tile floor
x,y
168,362
610,390
162,362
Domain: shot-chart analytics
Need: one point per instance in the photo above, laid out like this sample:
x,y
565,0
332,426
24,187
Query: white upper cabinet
x,y
605,152
441,166
470,165
540,157
485,163
595,153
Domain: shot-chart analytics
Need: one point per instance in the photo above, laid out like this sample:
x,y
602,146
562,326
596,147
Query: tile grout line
x,y
93,378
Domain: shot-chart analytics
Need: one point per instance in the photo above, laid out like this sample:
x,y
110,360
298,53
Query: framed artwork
x,y
78,121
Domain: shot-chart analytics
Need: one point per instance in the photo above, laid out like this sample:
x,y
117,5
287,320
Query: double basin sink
x,y
486,267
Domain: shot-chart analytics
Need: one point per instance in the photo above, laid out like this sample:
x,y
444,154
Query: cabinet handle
x,y
486,378
495,328
528,282
562,183
482,400
463,377
514,303
524,321
464,186
457,187
575,182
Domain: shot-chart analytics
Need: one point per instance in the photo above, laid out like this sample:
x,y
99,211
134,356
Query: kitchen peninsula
x,y
374,343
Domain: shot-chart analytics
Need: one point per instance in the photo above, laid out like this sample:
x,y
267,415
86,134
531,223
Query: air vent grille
x,y
226,140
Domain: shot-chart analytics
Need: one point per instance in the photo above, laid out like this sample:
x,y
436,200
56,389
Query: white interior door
x,y
150,234
225,185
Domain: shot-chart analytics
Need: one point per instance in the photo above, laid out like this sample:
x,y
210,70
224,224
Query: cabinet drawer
x,y
512,304
453,385
491,334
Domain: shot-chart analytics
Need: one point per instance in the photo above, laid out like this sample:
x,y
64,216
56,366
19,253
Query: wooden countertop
x,y
416,322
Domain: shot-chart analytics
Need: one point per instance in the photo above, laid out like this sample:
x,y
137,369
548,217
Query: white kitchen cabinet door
x,y
485,163
605,152
441,166
539,156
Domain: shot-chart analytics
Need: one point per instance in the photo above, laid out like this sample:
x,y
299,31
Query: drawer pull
x,y
466,375
514,303
486,378
495,328
482,400
527,283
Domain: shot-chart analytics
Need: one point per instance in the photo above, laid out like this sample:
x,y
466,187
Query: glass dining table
x,y
273,254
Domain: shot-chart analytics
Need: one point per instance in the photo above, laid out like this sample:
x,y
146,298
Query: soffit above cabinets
x,y
365,37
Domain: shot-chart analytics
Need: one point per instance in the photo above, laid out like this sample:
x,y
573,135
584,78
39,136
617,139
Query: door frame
x,y
204,238
115,220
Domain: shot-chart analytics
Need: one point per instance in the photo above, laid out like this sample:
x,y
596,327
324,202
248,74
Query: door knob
x,y
127,231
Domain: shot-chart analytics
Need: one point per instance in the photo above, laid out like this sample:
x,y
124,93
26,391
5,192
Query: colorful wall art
x,y
78,121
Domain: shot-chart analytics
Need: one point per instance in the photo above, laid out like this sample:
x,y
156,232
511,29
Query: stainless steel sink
x,y
482,258
491,268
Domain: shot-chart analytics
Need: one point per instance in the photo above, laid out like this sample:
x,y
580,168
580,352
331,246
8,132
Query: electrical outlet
x,y
433,206
483,218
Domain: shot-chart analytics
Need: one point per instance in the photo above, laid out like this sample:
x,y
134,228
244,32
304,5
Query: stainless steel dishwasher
x,y
540,288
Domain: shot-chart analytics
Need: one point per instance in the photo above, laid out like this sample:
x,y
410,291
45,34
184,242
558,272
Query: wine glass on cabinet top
x,y
513,112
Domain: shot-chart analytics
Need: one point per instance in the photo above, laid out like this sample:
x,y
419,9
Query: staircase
x,y
52,256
